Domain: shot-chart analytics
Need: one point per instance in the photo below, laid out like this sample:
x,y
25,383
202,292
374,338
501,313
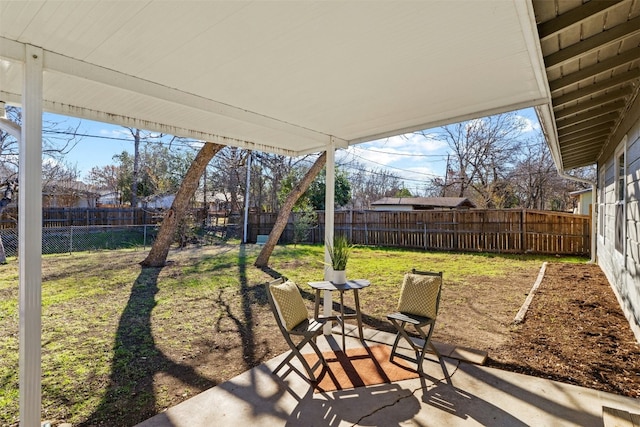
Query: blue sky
x,y
413,157
416,158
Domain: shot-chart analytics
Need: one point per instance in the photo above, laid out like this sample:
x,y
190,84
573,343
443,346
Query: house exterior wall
x,y
621,263
584,204
68,201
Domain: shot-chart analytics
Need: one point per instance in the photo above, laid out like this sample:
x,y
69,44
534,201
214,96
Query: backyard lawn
x,y
122,343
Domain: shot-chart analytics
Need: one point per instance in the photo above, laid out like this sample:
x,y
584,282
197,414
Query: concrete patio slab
x,y
469,395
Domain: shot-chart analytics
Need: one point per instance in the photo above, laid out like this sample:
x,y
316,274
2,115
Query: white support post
x,y
329,208
246,198
30,233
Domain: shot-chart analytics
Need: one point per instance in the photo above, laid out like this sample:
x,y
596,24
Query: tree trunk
x,y
160,249
285,210
3,255
9,193
233,182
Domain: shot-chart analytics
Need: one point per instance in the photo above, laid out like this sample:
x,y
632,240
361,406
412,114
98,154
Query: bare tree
x,y
105,178
54,172
56,143
283,215
281,167
369,185
158,254
536,180
534,176
274,169
136,166
11,188
482,151
226,176
138,137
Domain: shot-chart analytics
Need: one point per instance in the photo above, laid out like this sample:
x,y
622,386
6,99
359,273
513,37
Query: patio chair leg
x,y
284,362
358,313
307,367
396,341
344,347
318,353
295,351
420,352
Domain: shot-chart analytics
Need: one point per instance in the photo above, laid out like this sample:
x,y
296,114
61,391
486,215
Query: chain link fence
x,y
84,238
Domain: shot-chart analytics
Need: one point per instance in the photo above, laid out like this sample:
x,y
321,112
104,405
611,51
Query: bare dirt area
x,y
574,332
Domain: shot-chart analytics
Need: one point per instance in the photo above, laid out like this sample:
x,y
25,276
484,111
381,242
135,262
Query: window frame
x,y
620,188
602,205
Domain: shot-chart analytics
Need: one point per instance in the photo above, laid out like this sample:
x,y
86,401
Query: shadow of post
x,y
129,397
249,295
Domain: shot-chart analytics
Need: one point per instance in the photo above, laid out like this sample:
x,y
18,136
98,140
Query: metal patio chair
x,y
418,306
293,321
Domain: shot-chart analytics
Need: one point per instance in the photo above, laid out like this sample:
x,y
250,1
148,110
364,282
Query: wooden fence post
x,y
455,230
424,233
523,222
351,225
366,229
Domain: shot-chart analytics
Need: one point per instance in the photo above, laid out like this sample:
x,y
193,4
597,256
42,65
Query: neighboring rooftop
x,y
424,203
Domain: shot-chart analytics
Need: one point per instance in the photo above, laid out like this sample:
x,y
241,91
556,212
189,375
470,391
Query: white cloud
x,y
410,156
115,133
411,143
400,147
530,125
51,162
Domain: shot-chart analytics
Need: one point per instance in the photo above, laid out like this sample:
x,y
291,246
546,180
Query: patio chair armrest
x,y
412,319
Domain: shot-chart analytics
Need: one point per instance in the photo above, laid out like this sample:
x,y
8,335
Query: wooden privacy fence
x,y
73,217
493,230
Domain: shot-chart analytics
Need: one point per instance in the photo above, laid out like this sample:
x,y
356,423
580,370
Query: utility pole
x,y
446,178
136,167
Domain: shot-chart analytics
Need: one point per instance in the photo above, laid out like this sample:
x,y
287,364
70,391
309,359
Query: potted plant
x,y
339,253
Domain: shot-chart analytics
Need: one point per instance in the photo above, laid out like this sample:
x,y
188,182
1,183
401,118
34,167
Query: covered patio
x,y
470,395
285,77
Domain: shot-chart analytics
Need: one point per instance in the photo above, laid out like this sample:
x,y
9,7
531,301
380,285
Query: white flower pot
x,y
339,277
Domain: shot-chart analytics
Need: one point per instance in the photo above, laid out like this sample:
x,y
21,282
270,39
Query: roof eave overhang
x,y
52,62
591,56
550,133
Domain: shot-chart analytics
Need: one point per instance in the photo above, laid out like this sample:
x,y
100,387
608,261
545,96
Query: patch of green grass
x,y
9,274
8,308
385,265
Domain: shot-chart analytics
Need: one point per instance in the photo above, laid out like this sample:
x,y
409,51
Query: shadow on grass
x,y
250,296
129,396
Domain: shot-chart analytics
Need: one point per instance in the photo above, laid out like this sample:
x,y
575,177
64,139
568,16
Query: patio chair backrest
x,y
288,303
420,294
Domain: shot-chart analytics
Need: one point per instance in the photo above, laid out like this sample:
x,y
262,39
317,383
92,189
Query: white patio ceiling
x,y
285,77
